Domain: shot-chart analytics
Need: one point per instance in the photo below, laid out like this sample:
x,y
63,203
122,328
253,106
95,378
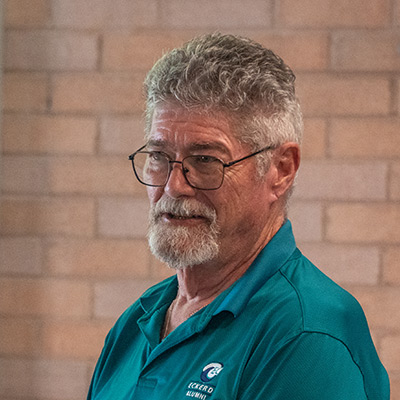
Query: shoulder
x,y
324,306
300,299
311,321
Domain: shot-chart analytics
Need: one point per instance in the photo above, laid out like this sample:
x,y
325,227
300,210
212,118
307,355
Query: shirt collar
x,y
271,258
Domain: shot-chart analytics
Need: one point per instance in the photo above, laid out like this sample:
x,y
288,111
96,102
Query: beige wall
x,y
1,76
73,251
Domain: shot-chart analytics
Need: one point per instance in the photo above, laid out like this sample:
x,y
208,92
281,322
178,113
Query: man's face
x,y
189,226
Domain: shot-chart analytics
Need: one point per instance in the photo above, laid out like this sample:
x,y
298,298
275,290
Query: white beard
x,y
182,246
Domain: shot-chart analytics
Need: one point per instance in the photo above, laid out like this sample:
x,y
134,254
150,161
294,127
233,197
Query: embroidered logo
x,y
210,371
203,390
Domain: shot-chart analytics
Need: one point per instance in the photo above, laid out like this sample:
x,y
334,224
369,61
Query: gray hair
x,y
234,75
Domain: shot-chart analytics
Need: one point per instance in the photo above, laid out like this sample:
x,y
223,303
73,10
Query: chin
x,y
182,247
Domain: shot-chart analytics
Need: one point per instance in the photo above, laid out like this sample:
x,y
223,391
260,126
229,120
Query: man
x,y
247,316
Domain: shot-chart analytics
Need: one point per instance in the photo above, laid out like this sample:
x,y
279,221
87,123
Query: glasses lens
x,y
151,168
204,172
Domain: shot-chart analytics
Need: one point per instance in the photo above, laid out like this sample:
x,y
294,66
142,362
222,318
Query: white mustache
x,y
182,208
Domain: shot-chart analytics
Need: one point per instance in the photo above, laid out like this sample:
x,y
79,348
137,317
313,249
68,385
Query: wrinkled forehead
x,y
175,125
172,111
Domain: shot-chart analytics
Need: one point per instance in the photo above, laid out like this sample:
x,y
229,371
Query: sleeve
x,y
313,366
97,371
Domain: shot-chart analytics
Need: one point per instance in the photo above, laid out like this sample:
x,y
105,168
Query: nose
x,y
177,185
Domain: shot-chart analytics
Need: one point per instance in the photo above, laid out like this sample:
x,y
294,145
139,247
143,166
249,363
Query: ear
x,y
286,161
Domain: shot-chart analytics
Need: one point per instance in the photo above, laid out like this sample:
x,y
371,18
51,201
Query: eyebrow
x,y
156,143
208,146
192,147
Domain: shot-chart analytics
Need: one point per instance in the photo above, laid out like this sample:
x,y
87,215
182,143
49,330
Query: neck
x,y
201,284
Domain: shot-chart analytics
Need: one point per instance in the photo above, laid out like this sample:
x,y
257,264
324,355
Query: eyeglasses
x,y
153,168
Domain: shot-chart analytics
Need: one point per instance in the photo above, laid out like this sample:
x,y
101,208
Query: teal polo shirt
x,y
283,331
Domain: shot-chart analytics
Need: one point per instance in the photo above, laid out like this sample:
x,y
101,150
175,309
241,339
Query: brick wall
x,y
73,252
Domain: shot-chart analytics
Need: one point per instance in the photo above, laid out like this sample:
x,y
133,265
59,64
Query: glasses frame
x,y
171,162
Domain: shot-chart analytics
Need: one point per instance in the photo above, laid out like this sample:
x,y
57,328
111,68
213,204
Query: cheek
x,y
246,203
228,205
234,188
240,188
154,194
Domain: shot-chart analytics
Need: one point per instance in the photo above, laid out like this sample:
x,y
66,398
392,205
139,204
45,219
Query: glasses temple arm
x,y
248,156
